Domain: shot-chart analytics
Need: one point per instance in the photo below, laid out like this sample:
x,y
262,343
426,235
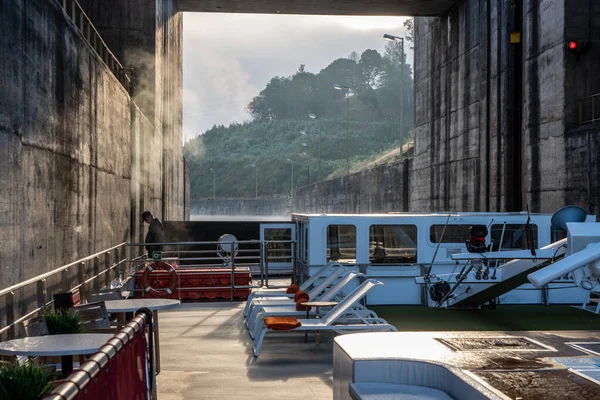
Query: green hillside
x,y
282,133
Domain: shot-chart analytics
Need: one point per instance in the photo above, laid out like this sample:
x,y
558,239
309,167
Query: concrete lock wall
x,y
491,116
79,160
381,189
146,36
254,207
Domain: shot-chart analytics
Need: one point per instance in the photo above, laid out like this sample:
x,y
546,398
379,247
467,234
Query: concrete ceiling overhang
x,y
320,7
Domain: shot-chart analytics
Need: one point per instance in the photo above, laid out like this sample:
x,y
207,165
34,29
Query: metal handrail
x,y
92,36
55,271
114,261
9,293
592,118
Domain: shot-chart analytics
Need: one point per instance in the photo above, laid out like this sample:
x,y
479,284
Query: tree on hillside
x,y
409,25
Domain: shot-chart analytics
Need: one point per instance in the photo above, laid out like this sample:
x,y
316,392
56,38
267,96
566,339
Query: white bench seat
x,y
394,391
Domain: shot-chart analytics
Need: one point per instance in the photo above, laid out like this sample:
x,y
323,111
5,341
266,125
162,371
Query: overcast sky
x,y
229,58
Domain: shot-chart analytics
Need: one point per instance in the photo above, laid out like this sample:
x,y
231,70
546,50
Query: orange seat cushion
x,y
301,295
293,288
282,323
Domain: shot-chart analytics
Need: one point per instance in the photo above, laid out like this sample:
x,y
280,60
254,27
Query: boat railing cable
x,y
438,245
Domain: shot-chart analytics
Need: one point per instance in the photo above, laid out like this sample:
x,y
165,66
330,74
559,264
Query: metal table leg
x,y
156,342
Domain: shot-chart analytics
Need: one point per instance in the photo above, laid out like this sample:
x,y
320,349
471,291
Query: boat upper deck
x,y
207,353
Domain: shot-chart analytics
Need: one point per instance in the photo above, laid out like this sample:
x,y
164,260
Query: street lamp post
x,y
255,181
314,116
214,191
292,183
341,87
391,38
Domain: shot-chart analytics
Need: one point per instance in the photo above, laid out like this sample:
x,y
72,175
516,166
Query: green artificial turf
x,y
503,318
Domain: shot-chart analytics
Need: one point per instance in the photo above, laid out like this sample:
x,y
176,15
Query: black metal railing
x,y
76,14
588,109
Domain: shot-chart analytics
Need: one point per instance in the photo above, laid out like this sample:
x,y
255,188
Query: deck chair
x,y
331,321
265,292
93,296
313,294
333,294
35,326
95,318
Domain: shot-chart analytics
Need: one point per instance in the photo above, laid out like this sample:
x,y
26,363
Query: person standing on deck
x,y
155,233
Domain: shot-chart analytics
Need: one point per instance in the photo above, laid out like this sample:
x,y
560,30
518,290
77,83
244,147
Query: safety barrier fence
x,y
28,298
74,11
589,109
120,370
111,267
204,270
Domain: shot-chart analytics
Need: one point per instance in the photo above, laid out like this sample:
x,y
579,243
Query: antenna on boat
x,y
529,233
438,245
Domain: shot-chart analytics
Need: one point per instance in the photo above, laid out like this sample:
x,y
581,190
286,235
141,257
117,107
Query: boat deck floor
x,y
206,353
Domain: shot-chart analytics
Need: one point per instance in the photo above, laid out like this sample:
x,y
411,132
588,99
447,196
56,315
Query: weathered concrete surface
x,y
582,155
241,207
381,189
206,354
79,160
146,36
345,7
491,116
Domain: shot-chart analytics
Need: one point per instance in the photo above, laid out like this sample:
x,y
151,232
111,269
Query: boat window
x,y
514,236
557,234
281,249
452,234
393,244
341,243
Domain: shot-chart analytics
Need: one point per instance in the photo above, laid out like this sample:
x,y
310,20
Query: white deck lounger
x,y
333,317
313,294
265,292
259,312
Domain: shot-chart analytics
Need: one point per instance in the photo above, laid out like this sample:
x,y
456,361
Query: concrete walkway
x,y
206,353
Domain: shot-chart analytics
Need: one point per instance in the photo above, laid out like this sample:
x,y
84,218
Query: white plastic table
x,y
56,345
132,305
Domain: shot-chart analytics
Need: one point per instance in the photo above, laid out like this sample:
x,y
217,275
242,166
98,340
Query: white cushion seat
x,y
394,391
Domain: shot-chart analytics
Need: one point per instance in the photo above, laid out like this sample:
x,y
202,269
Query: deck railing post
x,y
107,269
260,263
65,280
117,274
41,294
96,273
81,279
9,299
74,12
232,270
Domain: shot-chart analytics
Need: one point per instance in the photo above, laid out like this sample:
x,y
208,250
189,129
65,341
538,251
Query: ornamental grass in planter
x,y
63,321
24,382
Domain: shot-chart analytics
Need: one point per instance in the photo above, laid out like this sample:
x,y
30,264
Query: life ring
x,y
161,265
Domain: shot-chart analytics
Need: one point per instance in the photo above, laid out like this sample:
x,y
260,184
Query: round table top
x,y
320,303
132,305
56,345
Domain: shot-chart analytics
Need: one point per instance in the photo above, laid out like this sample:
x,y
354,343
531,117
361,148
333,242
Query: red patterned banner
x,y
125,375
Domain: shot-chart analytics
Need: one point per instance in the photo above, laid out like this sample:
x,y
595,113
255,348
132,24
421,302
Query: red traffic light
x,y
578,47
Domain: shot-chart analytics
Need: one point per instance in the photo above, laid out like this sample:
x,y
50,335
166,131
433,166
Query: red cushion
x,y
293,288
301,295
282,323
300,307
